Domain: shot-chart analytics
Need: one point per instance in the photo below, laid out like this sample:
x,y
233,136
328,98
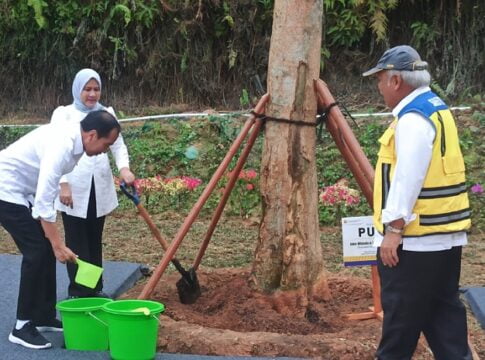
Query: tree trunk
x,y
288,260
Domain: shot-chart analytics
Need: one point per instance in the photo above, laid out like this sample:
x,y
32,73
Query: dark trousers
x,y
84,238
37,291
420,294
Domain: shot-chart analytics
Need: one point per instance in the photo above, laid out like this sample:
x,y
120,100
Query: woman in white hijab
x,y
88,193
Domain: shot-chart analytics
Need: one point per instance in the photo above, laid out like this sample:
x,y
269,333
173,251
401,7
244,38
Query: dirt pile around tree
x,y
230,319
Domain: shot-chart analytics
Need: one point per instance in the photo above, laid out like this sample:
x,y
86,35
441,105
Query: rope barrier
x,y
241,113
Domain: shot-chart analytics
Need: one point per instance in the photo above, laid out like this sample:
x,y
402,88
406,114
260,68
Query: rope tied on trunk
x,y
321,118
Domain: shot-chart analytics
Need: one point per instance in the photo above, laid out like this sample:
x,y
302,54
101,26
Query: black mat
x,y
118,277
475,296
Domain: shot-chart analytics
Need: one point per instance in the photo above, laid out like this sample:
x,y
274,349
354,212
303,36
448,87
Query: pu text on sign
x,y
357,239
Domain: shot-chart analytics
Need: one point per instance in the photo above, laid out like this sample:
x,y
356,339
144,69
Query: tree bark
x,y
288,258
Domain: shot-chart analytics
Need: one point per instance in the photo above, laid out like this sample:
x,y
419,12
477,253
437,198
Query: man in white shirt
x,y
421,213
30,170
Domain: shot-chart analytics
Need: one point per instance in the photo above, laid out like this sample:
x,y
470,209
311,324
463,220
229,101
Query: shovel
x,y
188,287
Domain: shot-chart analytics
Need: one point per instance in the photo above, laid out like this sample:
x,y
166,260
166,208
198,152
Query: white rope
x,y
166,116
191,115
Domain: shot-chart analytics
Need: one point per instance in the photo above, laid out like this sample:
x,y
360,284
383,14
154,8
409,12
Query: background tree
x,y
288,259
207,53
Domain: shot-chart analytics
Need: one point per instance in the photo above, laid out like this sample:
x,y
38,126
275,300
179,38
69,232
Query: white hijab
x,y
80,80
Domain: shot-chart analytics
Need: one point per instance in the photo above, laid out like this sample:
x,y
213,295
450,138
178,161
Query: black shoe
x,y
49,325
29,337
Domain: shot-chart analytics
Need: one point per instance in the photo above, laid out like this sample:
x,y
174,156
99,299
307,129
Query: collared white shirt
x,y
31,167
98,166
414,137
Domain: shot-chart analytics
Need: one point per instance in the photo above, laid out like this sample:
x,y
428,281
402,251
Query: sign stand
x,y
376,310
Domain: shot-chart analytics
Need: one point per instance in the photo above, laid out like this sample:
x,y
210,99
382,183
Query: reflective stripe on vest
x,y
439,219
444,191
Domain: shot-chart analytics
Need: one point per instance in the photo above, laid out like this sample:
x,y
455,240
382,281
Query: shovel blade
x,y
188,287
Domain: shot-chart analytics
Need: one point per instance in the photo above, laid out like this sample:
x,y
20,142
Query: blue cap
x,y
402,57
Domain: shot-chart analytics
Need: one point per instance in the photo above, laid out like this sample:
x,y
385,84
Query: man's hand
x,y
61,251
63,254
388,250
65,195
127,176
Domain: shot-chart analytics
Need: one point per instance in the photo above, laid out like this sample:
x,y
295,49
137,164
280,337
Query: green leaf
x,y
38,6
124,10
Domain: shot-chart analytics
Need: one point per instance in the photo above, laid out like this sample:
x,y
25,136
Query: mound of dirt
x,y
231,319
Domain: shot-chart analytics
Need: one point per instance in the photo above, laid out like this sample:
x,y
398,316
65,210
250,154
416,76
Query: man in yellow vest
x,y
421,213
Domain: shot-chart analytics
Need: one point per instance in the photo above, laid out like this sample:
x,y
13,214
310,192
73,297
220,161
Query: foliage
x,y
166,193
477,203
171,181
206,52
337,201
159,151
349,19
424,35
179,51
245,198
244,98
447,34
10,134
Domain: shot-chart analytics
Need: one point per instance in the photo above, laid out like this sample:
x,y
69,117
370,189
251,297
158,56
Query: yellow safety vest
x,y
442,206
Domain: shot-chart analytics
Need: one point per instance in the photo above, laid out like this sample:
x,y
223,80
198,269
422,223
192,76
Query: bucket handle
x,y
158,319
95,317
102,322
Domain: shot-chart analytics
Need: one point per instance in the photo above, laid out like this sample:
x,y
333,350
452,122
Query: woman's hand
x,y
65,195
127,176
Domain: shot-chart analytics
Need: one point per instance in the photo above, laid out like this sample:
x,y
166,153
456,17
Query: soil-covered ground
x,y
231,319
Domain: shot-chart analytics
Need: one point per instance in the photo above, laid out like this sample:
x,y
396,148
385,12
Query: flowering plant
x,y
339,194
477,204
171,185
165,190
335,201
477,189
245,197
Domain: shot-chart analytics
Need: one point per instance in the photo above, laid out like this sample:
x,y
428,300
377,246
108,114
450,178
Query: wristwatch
x,y
393,229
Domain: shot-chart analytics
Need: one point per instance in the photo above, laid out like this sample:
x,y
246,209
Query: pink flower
x,y
191,182
477,189
249,186
339,193
244,174
251,174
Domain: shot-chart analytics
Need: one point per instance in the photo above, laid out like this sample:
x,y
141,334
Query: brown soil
x,y
230,319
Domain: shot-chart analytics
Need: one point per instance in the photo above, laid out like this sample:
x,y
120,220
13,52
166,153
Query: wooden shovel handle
x,y
152,226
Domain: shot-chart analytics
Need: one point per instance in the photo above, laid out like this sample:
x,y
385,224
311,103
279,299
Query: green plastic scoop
x,y
87,274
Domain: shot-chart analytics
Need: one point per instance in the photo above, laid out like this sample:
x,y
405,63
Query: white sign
x,y
357,238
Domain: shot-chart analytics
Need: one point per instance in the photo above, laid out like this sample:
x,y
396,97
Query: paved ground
x,y
475,296
118,277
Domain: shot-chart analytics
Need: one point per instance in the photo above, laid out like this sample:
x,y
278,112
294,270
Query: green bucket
x,y
133,328
84,323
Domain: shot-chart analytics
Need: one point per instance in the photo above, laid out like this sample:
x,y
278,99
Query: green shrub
x,y
161,149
